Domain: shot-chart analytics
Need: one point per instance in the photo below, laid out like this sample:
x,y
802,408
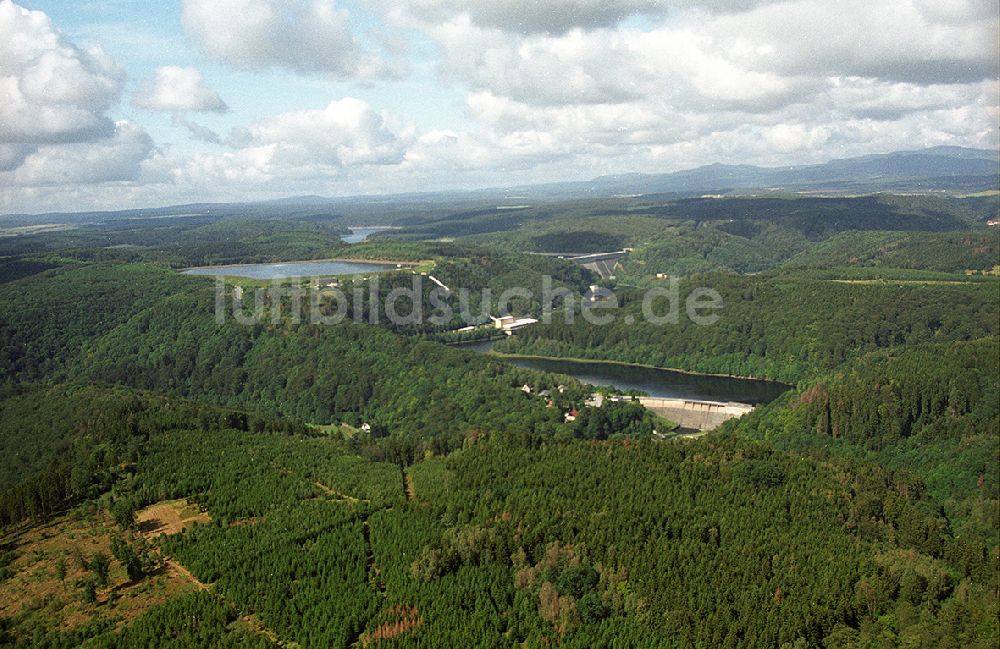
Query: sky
x,y
113,104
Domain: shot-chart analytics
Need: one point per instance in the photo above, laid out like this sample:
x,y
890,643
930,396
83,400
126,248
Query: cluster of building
x,y
596,400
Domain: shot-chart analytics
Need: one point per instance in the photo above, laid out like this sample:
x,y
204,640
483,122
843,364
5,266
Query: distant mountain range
x,y
943,168
937,169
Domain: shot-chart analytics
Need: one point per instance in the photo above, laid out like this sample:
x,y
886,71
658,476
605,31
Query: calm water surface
x,y
358,235
292,269
654,382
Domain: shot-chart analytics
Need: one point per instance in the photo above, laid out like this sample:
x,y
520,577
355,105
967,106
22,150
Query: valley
x,y
375,481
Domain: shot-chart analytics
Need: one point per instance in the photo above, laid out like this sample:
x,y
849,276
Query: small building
x,y
571,415
526,388
509,324
503,321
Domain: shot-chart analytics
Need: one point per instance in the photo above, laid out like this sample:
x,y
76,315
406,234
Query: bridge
x,y
691,413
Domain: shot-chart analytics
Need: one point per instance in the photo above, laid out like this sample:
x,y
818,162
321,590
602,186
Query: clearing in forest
x,y
169,517
47,565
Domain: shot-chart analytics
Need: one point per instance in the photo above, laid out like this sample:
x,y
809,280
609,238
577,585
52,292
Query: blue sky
x,y
116,103
144,35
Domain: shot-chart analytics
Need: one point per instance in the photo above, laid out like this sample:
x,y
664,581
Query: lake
x,y
287,269
360,234
654,382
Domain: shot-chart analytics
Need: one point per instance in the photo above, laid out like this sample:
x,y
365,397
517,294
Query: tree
x,y
100,565
123,513
89,592
128,557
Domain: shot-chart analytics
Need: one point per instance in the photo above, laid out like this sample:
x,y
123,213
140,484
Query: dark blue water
x,y
654,382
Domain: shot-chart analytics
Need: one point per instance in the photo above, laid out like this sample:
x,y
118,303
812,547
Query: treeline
x,y
519,539
348,372
818,218
774,326
936,391
193,240
731,246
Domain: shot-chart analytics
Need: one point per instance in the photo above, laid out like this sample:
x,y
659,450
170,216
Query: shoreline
x,y
642,365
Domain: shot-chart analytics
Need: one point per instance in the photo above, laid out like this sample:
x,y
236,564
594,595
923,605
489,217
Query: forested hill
x,y
779,327
153,329
931,410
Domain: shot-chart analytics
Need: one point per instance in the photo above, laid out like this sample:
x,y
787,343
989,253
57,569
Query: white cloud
x,y
551,16
54,102
347,133
759,60
50,89
303,151
776,83
117,158
311,36
178,89
897,40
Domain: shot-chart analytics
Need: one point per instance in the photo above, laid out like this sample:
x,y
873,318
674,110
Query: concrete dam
x,y
700,415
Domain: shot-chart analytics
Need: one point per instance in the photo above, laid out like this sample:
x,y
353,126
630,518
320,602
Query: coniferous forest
x,y
167,480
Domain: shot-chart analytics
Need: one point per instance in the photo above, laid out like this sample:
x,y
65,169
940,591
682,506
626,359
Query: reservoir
x,y
320,268
655,382
360,234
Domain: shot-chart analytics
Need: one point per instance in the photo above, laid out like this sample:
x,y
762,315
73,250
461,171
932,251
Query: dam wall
x,y
699,415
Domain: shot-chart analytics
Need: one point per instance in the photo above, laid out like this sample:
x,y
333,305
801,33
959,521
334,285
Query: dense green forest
x,y
61,444
359,484
681,237
931,410
775,326
720,542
